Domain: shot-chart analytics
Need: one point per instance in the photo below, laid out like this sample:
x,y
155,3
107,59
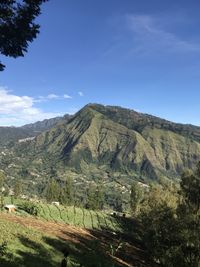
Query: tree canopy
x,y
17,26
172,234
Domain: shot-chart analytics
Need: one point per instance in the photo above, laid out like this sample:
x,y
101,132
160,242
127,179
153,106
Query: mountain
x,y
44,125
106,144
10,135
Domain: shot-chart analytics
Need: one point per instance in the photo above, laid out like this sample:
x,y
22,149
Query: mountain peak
x,y
110,141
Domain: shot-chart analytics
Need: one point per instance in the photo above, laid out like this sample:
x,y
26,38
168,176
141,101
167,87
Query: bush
x,y
30,208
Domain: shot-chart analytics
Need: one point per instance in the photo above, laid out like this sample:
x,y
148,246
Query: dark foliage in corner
x,y
17,27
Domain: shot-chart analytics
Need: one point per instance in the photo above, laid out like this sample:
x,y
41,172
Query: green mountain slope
x,y
105,142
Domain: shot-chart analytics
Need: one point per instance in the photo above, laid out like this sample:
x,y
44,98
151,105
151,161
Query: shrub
x,y
30,208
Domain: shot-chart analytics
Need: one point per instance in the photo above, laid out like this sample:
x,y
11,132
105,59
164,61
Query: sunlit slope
x,y
119,140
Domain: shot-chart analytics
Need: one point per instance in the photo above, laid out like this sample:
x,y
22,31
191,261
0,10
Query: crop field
x,y
77,217
72,215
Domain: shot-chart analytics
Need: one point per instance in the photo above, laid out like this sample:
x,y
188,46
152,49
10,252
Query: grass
x,y
71,215
26,247
38,241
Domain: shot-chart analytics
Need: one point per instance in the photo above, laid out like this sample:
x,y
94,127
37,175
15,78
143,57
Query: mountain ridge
x,y
11,134
105,143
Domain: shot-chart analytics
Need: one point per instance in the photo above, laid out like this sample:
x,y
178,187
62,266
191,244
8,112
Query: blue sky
x,y
144,55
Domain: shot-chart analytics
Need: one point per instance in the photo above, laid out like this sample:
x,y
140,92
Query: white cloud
x,y
67,96
80,93
18,110
11,103
52,96
49,97
150,34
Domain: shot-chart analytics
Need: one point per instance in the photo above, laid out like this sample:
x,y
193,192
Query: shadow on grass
x,y
99,248
129,229
83,252
107,248
34,255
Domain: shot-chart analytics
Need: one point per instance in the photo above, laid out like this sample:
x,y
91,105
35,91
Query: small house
x,y
10,208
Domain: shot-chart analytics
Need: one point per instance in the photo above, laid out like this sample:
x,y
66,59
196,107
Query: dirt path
x,y
74,234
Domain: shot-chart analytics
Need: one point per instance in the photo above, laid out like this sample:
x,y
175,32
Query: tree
x,y
160,234
135,197
91,198
17,27
95,198
114,199
157,195
2,180
66,193
100,198
52,191
23,172
172,235
17,189
190,189
188,213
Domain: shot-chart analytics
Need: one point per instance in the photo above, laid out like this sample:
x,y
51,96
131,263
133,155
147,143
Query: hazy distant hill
x,y
105,142
41,125
9,135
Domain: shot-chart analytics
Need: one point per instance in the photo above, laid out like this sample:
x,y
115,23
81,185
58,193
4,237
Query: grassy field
x,y
31,242
26,247
94,239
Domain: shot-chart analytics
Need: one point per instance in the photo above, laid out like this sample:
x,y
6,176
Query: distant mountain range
x,y
101,143
9,135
